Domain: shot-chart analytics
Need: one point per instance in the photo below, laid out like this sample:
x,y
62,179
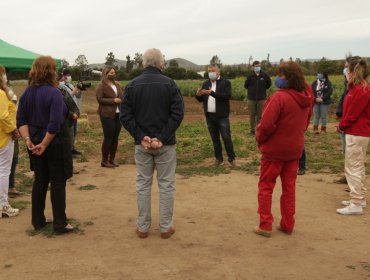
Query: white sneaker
x,y
8,211
347,203
351,209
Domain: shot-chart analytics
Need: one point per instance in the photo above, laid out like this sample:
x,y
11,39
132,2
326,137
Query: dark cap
x,y
66,72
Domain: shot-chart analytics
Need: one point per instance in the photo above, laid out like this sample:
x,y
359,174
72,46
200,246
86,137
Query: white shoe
x,y
347,203
7,210
351,209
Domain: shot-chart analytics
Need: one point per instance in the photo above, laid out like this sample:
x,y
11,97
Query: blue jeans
x,y
320,111
217,126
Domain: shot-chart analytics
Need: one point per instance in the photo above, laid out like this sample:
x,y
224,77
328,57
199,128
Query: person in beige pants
x,y
356,126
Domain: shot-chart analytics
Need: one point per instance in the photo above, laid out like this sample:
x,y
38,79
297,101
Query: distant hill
x,y
119,63
183,63
188,65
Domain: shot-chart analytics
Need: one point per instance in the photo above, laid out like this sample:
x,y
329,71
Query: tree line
x,y
134,67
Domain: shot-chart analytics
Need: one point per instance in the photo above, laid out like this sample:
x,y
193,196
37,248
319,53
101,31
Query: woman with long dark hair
x,y
41,121
109,95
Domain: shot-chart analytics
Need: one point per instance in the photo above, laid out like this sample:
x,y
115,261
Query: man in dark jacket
x,y
152,110
215,95
256,84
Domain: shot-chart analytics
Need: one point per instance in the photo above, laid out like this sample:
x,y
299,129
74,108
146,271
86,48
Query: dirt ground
x,y
214,217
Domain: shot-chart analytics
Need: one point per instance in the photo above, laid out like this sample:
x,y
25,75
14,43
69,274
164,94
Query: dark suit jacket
x,y
105,96
222,95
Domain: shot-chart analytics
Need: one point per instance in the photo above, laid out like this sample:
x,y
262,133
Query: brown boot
x,y
105,152
323,129
316,129
112,154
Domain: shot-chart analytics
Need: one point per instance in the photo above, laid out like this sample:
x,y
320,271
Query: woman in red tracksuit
x,y
355,124
280,138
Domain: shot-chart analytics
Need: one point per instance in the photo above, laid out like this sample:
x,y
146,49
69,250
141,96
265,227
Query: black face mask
x,y
111,77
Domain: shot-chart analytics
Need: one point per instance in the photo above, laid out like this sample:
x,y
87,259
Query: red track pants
x,y
270,170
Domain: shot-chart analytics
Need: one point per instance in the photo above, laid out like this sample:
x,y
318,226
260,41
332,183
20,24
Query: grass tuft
x,y
87,187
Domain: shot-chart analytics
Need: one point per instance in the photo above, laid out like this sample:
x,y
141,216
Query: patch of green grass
x,y
188,171
19,204
82,158
23,183
88,223
87,187
48,230
365,265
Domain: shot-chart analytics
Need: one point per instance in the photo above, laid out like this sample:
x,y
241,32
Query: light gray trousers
x,y
164,161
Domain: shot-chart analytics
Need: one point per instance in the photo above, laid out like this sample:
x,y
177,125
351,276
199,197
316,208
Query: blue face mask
x,y
279,82
257,69
345,70
212,76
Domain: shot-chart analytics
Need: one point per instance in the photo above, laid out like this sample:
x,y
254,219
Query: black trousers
x,y
302,160
49,168
217,127
111,129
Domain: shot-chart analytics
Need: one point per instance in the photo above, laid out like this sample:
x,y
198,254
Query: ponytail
x,y
359,71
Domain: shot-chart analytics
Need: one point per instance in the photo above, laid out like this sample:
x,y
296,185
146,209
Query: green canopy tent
x,y
14,58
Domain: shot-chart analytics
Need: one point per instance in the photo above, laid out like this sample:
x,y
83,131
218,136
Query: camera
x,y
83,85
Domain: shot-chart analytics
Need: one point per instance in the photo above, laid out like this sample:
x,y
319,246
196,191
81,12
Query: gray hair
x,y
153,57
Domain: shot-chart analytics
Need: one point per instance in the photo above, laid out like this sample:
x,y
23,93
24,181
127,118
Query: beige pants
x,y
354,168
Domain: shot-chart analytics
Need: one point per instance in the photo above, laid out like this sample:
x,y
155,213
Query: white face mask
x,y
5,78
68,79
212,76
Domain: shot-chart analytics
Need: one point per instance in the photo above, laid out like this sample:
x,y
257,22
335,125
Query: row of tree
x,y
134,67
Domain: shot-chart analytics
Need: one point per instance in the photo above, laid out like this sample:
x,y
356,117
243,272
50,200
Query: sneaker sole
x,y
263,233
351,213
8,215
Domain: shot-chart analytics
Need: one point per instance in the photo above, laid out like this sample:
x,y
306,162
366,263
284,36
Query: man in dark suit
x,y
215,95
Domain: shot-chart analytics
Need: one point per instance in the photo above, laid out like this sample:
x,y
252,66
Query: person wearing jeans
x,y
152,109
355,123
215,95
320,111
322,90
8,132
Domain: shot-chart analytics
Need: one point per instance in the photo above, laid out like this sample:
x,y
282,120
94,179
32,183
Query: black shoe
x,y
39,227
301,171
64,230
75,152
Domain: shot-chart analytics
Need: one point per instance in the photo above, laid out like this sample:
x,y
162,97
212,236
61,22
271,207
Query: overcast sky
x,y
194,30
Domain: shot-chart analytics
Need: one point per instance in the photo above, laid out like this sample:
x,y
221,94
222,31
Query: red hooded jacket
x,y
356,111
285,118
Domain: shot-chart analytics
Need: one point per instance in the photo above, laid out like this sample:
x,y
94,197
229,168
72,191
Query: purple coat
x,y
42,108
